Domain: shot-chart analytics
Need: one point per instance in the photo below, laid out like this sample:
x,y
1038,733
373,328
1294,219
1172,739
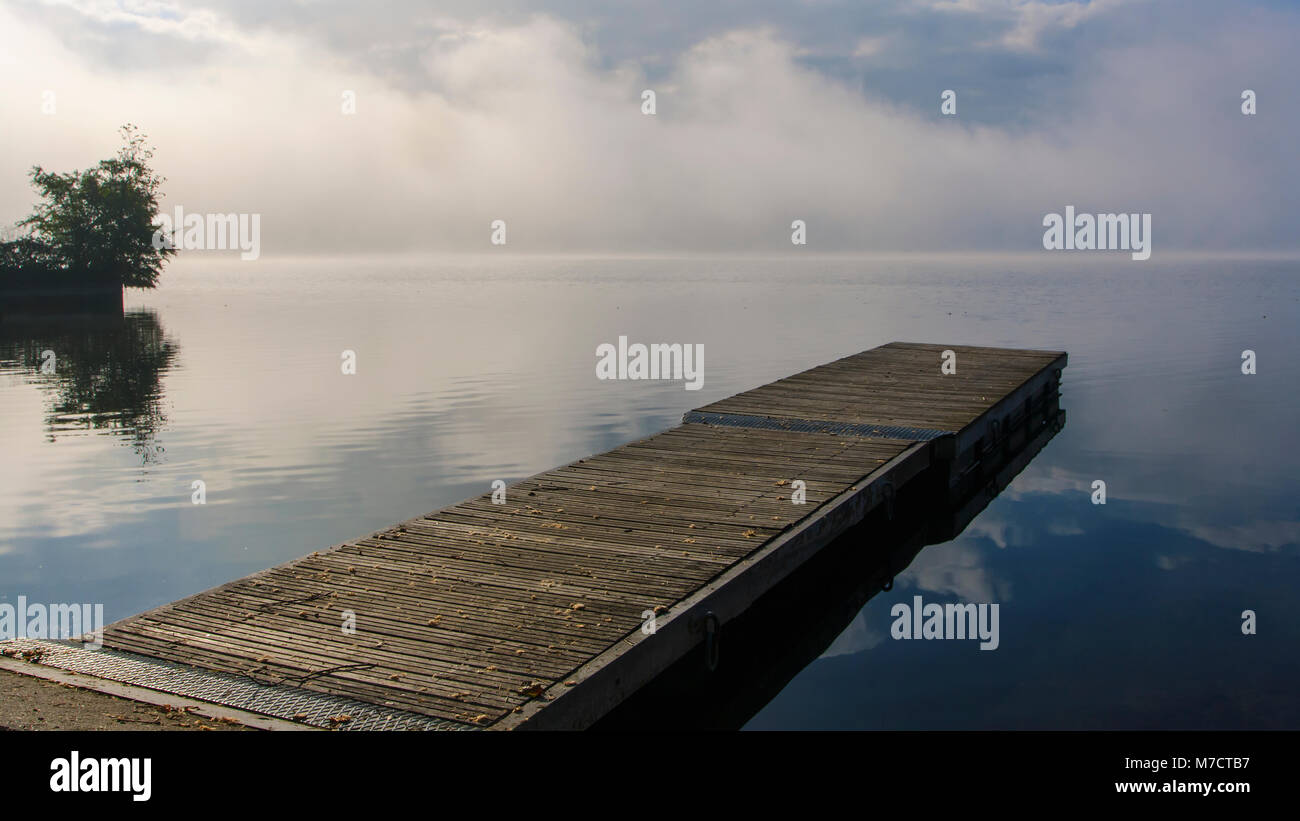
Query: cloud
x,y
530,121
1026,23
871,46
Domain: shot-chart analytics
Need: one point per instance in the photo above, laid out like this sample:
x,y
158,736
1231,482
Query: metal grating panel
x,y
288,703
737,420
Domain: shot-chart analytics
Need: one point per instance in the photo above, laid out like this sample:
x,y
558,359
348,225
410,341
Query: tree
x,y
94,225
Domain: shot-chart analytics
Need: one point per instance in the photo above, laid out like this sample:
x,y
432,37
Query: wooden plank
x,y
897,384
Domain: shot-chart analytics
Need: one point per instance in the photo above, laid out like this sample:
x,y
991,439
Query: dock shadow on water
x,y
757,654
101,372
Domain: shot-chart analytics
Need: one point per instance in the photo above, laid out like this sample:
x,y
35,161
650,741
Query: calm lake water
x,y
1123,615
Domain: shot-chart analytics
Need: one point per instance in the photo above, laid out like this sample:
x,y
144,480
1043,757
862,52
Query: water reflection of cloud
x,y
1255,537
1001,531
1065,527
1171,562
955,569
856,638
1053,479
1163,500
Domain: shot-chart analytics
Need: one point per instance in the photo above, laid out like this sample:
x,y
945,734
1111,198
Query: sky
x,y
828,112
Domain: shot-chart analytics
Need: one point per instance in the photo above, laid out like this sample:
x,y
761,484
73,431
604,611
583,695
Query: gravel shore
x,y
30,703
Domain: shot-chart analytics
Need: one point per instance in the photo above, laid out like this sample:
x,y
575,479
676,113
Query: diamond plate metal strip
x,y
288,703
738,420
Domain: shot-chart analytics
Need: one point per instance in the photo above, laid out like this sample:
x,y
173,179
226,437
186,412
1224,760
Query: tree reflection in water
x,y
107,374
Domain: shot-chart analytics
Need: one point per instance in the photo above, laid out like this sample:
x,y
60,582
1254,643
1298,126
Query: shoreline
x,y
30,703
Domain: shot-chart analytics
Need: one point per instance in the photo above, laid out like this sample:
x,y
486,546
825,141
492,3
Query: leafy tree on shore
x,y
93,225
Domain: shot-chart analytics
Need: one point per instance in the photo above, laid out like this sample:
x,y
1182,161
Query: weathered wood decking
x,y
530,613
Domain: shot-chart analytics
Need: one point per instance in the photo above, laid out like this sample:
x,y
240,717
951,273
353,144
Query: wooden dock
x,y
536,613
795,623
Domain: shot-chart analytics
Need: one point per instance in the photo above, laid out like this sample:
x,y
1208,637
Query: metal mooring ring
x,y
711,652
